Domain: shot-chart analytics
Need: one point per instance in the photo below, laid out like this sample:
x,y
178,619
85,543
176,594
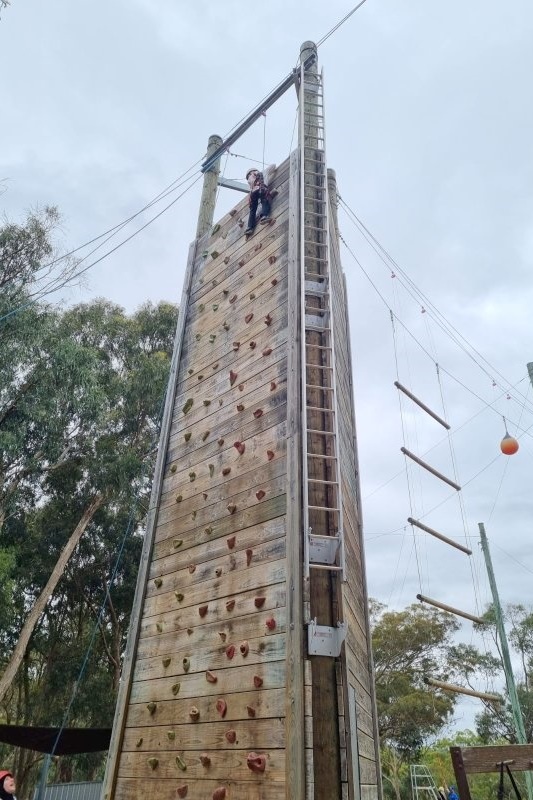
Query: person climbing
x,y
259,193
7,785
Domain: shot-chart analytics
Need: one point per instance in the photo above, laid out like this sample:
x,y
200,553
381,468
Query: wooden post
x,y
209,190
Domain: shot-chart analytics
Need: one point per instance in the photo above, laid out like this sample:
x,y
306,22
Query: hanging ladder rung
x,y
323,388
317,480
321,456
318,366
330,567
321,433
324,508
323,410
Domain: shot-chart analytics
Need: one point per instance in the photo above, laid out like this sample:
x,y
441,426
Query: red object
x,y
258,682
267,351
205,760
260,494
230,651
219,793
244,648
271,623
202,610
259,602
230,605
509,445
256,762
249,554
258,413
231,542
231,736
182,790
222,707
270,455
210,677
240,447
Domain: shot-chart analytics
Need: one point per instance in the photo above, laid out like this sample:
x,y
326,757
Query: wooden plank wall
x,y
207,703
355,673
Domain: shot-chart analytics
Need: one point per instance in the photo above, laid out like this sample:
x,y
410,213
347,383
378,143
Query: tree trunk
x,y
40,604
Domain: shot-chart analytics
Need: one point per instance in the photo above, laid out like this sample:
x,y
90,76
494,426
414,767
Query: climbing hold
x,y
182,790
179,498
221,707
209,530
205,761
219,793
251,711
189,631
213,283
249,554
258,682
210,677
193,515
205,253
232,508
158,582
194,714
230,605
240,407
268,319
177,543
207,403
231,542
250,275
175,688
271,624
205,435
260,494
192,476
244,649
233,212
232,298
198,337
271,259
274,281
225,325
236,346
212,338
173,468
220,442
270,455
273,385
241,262
215,229
190,371
218,572
159,627
241,223
258,247
226,470
252,296
215,366
267,351
231,736
139,742
258,413
153,762
230,651
220,401
253,345
215,254
248,318
200,377
255,762
192,568
204,495
186,664
180,763
203,610
222,635
232,377
259,602
166,661
151,707
226,261
211,468
240,447
215,306
241,387
188,405
171,735
187,436
179,596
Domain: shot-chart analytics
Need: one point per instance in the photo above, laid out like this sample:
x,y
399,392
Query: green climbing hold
x,y
207,403
175,688
192,476
205,253
153,762
212,338
180,763
139,742
215,254
171,735
188,405
158,582
186,664
211,470
215,229
205,435
166,661
151,707
159,627
187,436
177,543
215,306
179,498
179,596
201,307
173,468
198,337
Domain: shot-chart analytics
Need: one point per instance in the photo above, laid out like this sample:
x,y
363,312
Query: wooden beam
x,y
488,759
421,405
433,471
451,687
450,609
209,190
438,535
460,774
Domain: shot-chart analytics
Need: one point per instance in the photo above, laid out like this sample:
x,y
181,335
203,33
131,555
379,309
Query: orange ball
x,y
509,445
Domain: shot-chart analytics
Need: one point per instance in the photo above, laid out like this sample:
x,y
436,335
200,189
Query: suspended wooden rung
x,y
433,471
438,535
422,405
450,609
452,687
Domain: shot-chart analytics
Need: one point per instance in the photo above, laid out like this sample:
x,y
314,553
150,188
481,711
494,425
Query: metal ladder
x,y
322,523
422,783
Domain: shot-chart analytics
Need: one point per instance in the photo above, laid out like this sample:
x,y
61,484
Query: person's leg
x,y
254,201
265,206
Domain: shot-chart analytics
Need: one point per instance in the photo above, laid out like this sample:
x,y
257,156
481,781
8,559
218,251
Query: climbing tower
x,y
248,672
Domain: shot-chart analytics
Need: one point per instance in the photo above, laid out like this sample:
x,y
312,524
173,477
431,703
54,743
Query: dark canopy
x,y
71,740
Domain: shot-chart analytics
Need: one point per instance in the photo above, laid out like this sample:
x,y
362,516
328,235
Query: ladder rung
x,y
318,366
320,455
316,480
321,433
323,508
324,388
314,312
316,275
331,567
325,410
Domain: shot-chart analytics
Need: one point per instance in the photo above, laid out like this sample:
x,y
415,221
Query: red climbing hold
x,y
274,281
233,298
271,259
259,602
273,385
270,454
271,624
203,610
231,542
221,707
256,762
258,682
260,494
232,377
182,790
236,346
241,263
258,413
219,793
253,345
192,568
205,761
268,319
267,351
230,651
220,442
230,605
248,318
231,736
251,711
226,470
244,649
241,387
240,447
249,554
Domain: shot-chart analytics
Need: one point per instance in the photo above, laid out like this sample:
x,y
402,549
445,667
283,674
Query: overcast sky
x,y
430,131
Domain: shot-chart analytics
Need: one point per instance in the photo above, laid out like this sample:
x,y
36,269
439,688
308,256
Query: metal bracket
x,y
323,640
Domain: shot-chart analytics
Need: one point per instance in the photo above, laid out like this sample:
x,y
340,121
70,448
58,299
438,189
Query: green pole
x,y
506,658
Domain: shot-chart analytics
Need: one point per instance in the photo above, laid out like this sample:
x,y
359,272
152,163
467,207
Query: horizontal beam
x,y
227,183
433,471
450,609
422,405
488,758
451,687
438,535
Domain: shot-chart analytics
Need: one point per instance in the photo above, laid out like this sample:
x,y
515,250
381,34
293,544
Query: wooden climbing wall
x,y
215,682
